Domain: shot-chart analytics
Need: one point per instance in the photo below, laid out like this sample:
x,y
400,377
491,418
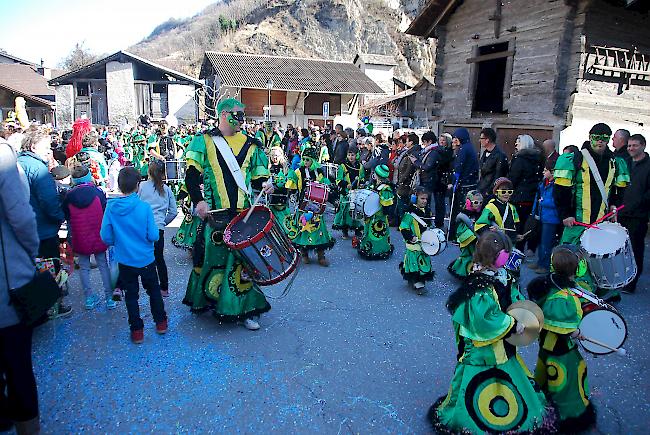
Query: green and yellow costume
x,y
218,280
416,266
561,372
279,202
189,228
311,234
375,243
348,175
502,214
466,238
491,390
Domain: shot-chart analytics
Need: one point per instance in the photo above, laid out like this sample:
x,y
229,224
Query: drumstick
x,y
582,224
619,351
608,215
250,210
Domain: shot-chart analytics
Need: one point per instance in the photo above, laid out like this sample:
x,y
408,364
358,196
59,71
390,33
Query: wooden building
x,y
548,68
297,88
119,88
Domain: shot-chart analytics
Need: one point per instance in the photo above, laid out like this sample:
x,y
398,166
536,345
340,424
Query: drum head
x,y
239,234
609,237
430,242
372,204
603,325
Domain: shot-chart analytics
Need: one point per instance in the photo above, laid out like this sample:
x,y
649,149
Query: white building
x,y
380,69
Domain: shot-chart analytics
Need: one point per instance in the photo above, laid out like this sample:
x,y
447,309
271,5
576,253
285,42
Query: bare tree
x,y
78,57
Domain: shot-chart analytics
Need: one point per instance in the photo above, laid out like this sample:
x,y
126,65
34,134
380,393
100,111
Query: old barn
x,y
549,68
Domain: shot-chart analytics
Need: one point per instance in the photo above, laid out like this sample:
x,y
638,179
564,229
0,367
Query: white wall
x,y
383,76
181,102
64,97
120,93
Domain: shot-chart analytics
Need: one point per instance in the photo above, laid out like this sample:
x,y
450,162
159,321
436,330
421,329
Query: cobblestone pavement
x,y
350,349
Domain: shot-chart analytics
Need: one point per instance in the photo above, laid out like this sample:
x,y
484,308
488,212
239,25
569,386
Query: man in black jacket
x,y
340,145
434,160
493,162
634,216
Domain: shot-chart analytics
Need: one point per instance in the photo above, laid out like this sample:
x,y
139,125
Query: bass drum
x,y
603,324
364,203
433,241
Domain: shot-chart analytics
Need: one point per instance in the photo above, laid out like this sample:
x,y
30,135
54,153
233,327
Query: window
x,y
82,89
159,88
490,76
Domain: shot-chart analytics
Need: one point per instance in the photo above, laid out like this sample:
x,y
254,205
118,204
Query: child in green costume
x,y
416,267
186,234
561,371
375,244
499,213
491,390
349,176
311,233
278,200
465,235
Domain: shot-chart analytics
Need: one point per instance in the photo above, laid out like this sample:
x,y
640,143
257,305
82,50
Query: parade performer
x,y
465,235
561,371
499,213
375,243
491,390
187,231
312,228
278,201
79,130
227,163
416,268
349,176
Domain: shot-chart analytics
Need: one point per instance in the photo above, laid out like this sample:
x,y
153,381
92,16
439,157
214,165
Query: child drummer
x,y
349,176
499,213
416,268
311,231
278,200
561,371
375,244
465,235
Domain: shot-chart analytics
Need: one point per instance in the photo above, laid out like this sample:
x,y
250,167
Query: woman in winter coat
x,y
525,173
84,207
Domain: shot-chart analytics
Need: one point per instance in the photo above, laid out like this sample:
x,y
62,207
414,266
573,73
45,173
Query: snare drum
x,y
364,203
514,261
608,251
175,170
266,251
315,197
433,241
603,324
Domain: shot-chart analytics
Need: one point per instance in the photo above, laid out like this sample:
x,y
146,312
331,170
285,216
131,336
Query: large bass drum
x,y
433,241
604,324
364,203
266,251
608,251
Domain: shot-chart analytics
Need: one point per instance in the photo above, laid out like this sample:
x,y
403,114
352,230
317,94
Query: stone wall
x,y
181,102
64,106
120,93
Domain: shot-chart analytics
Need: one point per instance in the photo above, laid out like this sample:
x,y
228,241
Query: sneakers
x,y
355,242
419,288
161,327
251,325
117,294
91,301
322,260
137,336
111,304
164,293
59,310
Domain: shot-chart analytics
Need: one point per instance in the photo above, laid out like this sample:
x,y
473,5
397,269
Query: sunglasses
x,y
597,137
238,115
475,203
505,191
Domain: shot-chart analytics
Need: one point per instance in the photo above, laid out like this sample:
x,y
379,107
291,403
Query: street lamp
x,y
269,86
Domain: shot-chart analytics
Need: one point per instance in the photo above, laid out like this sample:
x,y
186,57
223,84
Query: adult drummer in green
x,y
349,176
228,164
375,243
588,184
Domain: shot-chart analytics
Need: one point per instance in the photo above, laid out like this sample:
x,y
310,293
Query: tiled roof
x,y
290,74
376,59
24,78
28,97
383,101
16,59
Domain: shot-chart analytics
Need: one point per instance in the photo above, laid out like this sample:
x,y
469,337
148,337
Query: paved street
x,y
350,349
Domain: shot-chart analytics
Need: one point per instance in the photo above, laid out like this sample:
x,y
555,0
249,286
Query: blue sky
x,y
49,29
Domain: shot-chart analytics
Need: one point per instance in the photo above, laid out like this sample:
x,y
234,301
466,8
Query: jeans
x,y
402,207
129,280
549,239
161,266
438,207
637,227
20,403
457,204
84,273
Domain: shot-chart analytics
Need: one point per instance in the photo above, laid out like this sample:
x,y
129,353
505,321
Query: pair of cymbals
x,y
530,315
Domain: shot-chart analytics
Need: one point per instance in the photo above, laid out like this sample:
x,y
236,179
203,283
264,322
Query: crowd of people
x,y
113,191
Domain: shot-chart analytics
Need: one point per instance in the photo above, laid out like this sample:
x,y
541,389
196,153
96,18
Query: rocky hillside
x,y
328,29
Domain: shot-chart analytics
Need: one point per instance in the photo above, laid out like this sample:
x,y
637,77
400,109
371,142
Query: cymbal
x,y
530,306
531,323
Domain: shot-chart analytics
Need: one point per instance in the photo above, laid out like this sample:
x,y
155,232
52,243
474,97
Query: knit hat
x,y
382,171
310,152
601,128
60,172
353,149
81,174
500,182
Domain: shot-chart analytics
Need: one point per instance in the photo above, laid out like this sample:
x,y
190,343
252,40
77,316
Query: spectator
x,y
405,172
465,173
545,211
379,155
432,158
549,147
161,199
20,243
634,216
340,145
493,162
84,209
525,173
44,199
619,142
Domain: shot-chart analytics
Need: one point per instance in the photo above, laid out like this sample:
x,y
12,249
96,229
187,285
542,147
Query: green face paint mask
x,y
235,118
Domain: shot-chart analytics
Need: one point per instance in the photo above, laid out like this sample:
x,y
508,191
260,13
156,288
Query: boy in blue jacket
x,y
545,211
129,226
